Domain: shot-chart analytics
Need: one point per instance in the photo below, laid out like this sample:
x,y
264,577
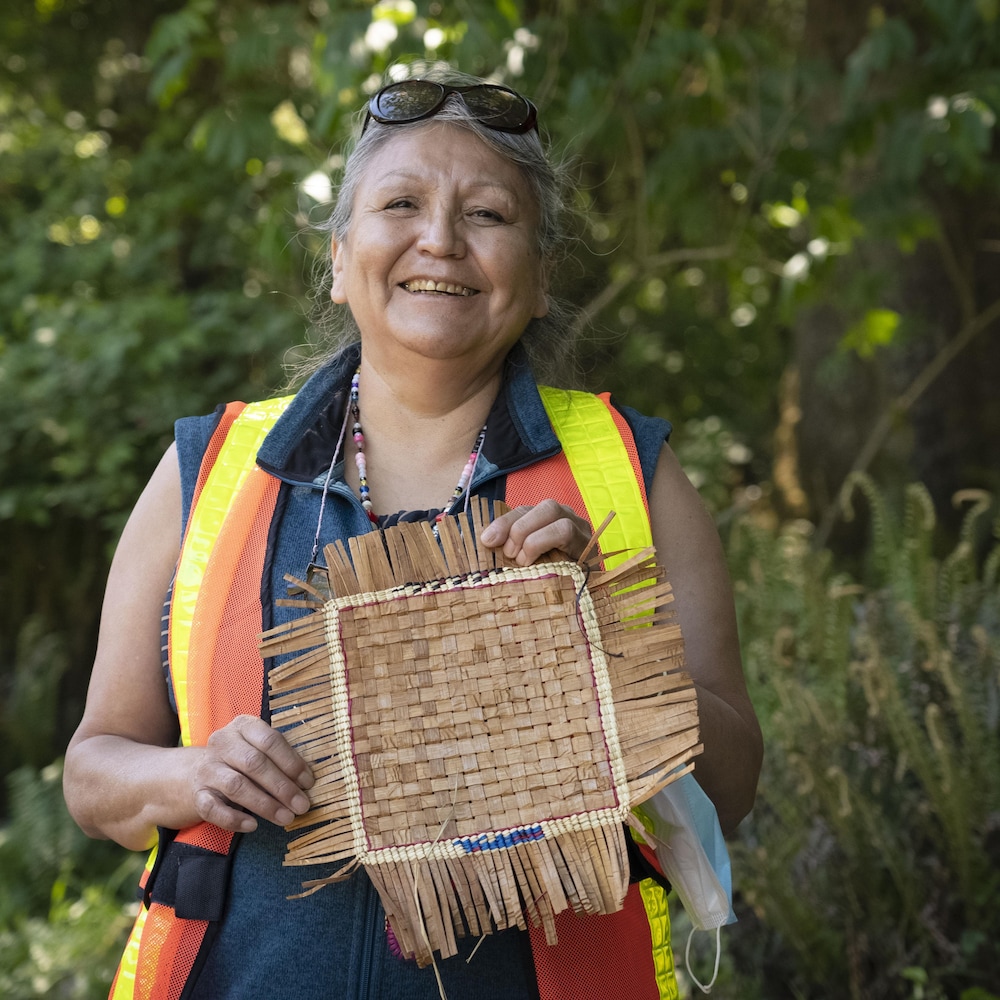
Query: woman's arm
x,y
688,546
125,775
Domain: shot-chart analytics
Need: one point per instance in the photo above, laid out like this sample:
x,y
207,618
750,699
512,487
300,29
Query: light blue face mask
x,y
692,851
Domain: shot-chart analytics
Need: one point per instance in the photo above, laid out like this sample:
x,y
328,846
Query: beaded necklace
x,y
353,410
359,440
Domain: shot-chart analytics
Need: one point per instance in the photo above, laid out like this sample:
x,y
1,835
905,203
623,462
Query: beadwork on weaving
x,y
479,732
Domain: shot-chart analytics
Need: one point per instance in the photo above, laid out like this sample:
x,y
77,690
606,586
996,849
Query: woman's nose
x,y
440,233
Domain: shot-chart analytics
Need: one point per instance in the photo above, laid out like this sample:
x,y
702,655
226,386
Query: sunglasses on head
x,y
496,107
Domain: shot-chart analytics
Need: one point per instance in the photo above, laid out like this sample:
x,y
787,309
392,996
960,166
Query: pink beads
x,y
359,459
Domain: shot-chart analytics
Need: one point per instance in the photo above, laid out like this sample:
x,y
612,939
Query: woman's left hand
x,y
526,533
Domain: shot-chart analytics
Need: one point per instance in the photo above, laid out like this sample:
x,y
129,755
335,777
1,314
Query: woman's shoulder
x,y
650,433
192,434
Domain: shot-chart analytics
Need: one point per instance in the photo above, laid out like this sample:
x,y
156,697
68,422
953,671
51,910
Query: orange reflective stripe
x,y
167,951
550,478
123,987
628,442
145,971
598,470
598,957
216,669
227,622
215,445
178,626
605,468
233,466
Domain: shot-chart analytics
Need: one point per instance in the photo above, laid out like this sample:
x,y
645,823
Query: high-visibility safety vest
x,y
217,674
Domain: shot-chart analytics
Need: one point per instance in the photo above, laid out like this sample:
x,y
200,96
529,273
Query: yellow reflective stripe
x,y
124,985
655,901
601,467
606,480
235,460
125,980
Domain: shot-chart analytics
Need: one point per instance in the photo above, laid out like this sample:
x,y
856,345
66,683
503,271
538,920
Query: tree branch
x,y
902,404
632,271
957,276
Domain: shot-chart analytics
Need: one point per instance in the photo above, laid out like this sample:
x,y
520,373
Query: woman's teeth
x,y
437,286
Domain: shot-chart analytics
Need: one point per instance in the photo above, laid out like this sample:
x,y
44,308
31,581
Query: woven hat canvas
x,y
479,731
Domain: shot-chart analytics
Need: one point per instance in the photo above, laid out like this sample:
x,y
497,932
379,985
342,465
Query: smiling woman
x,y
546,339
440,263
442,241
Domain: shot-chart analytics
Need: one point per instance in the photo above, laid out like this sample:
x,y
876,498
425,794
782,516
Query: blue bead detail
x,y
498,841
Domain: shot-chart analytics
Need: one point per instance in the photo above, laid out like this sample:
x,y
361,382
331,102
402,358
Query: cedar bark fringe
x,y
479,731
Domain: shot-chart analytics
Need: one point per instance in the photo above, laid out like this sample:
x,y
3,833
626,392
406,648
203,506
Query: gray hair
x,y
549,340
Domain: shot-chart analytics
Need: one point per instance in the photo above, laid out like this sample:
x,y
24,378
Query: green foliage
x,y
873,857
713,459
726,167
28,714
66,903
740,164
72,952
876,329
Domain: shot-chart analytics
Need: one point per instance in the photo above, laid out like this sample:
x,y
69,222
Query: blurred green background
x,y
788,244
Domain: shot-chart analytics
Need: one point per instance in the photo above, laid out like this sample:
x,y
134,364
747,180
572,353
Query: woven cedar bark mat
x,y
479,736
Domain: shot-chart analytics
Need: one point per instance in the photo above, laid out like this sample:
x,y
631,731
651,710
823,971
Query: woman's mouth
x,y
438,287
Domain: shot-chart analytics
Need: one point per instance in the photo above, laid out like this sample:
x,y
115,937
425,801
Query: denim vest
x,y
333,944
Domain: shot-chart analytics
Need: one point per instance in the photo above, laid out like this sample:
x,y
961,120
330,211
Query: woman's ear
x,y
338,292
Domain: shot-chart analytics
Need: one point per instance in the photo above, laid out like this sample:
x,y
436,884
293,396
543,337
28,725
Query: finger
x,y
252,767
496,532
274,745
520,522
244,783
540,529
213,808
559,538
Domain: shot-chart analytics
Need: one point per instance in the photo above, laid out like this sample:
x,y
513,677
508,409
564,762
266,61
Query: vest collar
x,y
299,446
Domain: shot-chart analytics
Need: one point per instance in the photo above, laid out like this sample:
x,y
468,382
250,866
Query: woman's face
x,y
441,258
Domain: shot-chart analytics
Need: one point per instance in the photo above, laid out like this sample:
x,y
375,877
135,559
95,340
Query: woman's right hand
x,y
124,774
248,769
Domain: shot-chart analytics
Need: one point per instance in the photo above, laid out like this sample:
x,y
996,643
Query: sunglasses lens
x,y
411,100
407,101
496,107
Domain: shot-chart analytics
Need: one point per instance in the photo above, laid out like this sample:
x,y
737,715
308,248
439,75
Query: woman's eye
x,y
487,214
400,203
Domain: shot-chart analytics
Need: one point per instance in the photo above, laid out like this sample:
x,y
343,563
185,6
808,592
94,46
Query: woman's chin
x,y
448,344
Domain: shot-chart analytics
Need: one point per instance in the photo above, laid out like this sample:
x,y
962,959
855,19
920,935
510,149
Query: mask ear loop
x,y
718,956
